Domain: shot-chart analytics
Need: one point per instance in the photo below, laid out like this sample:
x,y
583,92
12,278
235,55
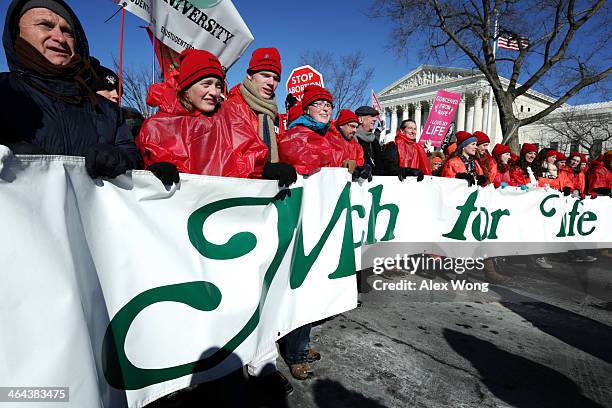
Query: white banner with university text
x,y
212,25
124,291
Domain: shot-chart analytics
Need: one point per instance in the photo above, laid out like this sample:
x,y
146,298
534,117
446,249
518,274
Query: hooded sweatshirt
x,y
29,111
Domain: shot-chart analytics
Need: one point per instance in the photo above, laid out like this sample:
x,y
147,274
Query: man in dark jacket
x,y
47,104
367,138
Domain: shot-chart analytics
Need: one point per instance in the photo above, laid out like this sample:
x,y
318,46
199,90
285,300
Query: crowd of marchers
x,y
58,100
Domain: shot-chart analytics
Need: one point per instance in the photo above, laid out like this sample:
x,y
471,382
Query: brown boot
x,y
300,371
491,274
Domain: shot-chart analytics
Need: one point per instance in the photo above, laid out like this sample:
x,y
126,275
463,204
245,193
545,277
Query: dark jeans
x,y
295,345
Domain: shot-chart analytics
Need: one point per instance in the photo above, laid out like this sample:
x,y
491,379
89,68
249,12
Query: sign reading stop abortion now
x,y
300,78
441,115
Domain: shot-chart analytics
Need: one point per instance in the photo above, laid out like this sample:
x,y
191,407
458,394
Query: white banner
x,y
124,291
212,25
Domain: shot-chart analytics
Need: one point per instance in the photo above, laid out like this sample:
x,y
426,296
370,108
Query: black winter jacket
x,y
30,115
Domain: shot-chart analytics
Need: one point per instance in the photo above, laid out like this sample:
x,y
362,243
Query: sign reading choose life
x,y
300,78
212,25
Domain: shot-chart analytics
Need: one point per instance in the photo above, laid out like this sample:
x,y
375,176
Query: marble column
x,y
461,114
469,126
417,117
485,115
393,120
405,112
477,124
499,137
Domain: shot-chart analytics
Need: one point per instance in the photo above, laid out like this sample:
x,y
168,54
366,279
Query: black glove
x,y
481,180
364,172
283,172
602,191
567,191
166,172
467,177
410,172
105,160
26,148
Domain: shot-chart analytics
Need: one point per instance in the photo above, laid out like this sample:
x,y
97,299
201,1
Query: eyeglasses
x,y
321,105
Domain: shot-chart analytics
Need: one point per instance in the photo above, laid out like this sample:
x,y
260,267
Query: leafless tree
x,y
568,48
572,126
136,82
346,77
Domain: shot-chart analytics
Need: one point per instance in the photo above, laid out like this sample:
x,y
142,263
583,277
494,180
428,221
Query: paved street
x,y
542,340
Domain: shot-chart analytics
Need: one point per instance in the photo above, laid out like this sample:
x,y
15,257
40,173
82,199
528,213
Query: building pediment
x,y
426,75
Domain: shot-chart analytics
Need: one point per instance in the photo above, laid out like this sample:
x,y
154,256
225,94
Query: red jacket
x,y
491,165
567,178
455,165
411,154
308,151
193,142
518,176
352,148
243,121
598,176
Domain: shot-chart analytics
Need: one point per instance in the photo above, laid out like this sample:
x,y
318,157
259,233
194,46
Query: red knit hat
x,y
572,154
500,149
583,157
265,59
346,116
561,156
482,137
528,147
196,64
551,153
315,93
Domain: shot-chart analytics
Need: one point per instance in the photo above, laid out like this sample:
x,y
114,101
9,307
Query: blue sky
x,y
291,26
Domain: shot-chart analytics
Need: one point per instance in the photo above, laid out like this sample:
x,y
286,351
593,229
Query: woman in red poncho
x,y
462,162
521,172
308,144
404,157
599,176
502,155
486,161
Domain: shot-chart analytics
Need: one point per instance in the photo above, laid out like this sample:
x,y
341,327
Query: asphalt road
x,y
542,340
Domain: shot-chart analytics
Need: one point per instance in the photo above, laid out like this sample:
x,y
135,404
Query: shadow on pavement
x,y
332,394
578,331
516,380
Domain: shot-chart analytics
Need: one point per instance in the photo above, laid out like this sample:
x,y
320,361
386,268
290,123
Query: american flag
x,y
511,41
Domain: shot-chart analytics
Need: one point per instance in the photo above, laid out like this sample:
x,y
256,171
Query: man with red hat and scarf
x,y
251,113
404,157
309,144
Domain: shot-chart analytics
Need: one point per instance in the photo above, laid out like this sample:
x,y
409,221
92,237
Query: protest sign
x,y
441,115
300,78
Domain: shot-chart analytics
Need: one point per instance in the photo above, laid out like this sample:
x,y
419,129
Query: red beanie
x,y
551,153
265,59
500,149
196,64
346,116
583,158
528,147
572,154
315,93
482,137
561,156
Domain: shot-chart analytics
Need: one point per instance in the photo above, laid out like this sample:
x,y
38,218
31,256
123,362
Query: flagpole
x,y
490,101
